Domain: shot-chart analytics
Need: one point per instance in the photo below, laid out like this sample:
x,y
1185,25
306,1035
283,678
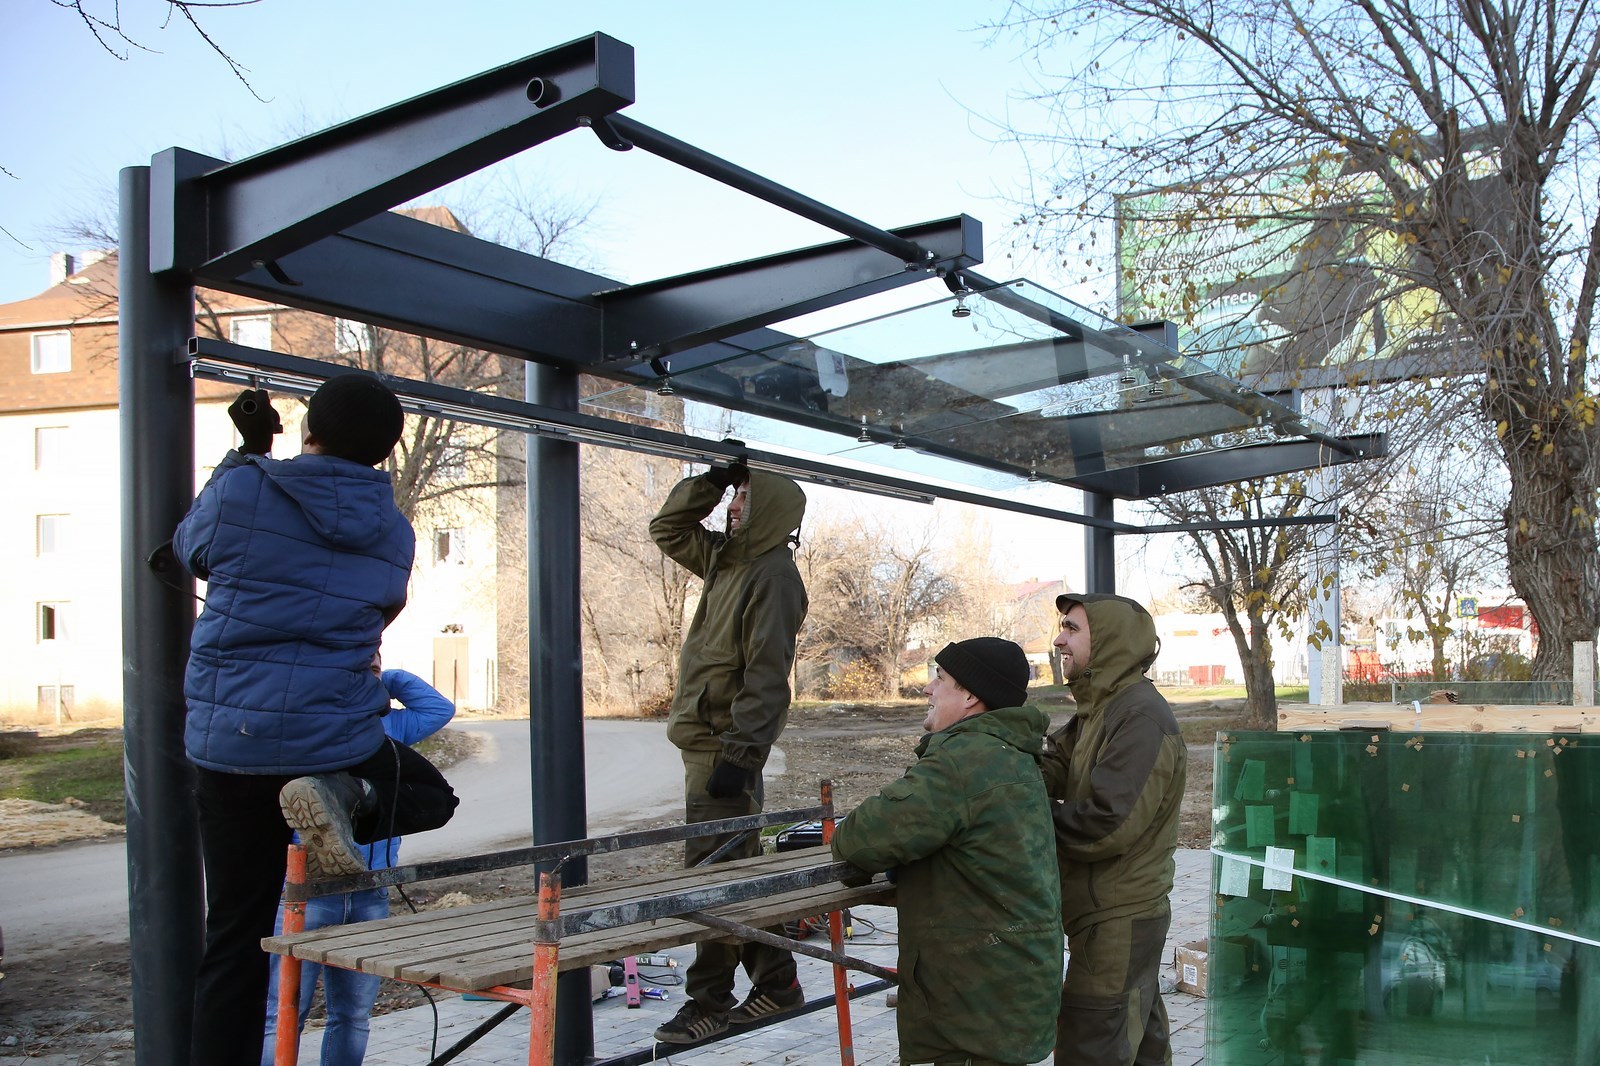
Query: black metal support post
x,y
1099,545
165,903
555,675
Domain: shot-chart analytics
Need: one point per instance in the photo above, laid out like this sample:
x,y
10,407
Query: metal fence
x,y
1514,692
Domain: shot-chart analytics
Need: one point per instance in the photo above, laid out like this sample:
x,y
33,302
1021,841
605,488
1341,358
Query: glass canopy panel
x,y
1436,899
1012,377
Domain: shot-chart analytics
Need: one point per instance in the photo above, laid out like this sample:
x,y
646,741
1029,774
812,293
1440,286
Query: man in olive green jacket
x,y
731,703
968,832
1116,771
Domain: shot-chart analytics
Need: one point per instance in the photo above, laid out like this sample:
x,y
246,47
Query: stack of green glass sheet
x,y
1405,898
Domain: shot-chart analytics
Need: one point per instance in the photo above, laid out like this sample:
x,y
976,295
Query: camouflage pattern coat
x,y
968,830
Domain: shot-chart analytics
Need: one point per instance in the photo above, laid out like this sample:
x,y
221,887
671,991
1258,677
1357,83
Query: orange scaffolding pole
x,y
841,979
286,1040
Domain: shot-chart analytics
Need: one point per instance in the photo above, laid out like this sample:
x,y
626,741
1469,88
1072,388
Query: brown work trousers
x,y
709,981
1112,1013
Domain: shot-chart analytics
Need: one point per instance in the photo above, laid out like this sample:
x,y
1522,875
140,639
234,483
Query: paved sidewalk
x,y
407,1038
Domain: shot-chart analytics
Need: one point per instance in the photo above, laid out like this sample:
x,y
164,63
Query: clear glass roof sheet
x,y
1012,378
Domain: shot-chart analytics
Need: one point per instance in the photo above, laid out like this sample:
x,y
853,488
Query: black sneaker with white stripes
x,y
764,1003
691,1025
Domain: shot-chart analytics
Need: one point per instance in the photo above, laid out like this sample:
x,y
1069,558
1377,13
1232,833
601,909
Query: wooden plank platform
x,y
481,945
1442,717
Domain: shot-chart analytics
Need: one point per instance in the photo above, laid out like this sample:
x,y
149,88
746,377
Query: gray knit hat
x,y
991,668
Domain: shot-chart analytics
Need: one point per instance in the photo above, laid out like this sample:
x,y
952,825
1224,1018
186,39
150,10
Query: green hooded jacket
x,y
1117,769
733,674
968,829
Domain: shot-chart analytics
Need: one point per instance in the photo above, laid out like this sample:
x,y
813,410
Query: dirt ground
x,y
75,1008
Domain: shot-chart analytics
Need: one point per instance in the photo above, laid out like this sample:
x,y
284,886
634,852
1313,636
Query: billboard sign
x,y
1286,279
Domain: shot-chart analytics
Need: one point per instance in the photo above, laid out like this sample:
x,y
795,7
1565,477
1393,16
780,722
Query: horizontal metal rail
x,y
632,912
631,133
217,360
542,853
761,936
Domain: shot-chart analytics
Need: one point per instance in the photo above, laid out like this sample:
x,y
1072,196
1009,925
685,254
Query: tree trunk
x,y
1550,543
1260,688
1255,658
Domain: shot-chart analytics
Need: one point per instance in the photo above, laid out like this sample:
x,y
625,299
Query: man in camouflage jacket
x,y
1116,772
967,831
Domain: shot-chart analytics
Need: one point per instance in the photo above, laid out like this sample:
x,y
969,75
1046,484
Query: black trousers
x,y
244,843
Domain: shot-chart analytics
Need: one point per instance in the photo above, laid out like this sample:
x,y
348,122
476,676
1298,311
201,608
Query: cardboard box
x,y
1191,961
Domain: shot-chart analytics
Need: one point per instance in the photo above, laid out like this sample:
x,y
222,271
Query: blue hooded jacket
x,y
306,560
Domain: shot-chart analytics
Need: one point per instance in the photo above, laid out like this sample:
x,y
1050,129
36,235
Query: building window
x,y
48,695
452,464
253,332
351,337
52,352
52,622
447,546
49,447
52,535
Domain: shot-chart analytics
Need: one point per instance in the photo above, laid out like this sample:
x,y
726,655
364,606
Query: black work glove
x,y
856,878
256,420
734,474
727,780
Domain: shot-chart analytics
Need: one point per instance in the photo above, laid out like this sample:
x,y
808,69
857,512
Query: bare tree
x,y
117,40
870,589
1448,142
1429,537
635,600
1257,577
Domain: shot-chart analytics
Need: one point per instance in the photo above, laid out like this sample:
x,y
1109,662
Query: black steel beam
x,y
409,275
660,318
264,207
1184,472
166,905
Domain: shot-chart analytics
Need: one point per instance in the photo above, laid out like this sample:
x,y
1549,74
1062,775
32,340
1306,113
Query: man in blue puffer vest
x,y
306,561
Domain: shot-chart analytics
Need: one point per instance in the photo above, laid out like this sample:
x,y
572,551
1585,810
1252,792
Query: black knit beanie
x,y
992,669
355,417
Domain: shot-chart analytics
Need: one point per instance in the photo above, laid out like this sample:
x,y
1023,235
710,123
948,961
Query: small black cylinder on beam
x,y
543,92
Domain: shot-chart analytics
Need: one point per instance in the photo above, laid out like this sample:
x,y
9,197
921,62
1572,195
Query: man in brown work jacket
x,y
731,703
1115,776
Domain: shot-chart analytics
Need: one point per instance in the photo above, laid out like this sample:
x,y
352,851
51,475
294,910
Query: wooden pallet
x,y
1442,717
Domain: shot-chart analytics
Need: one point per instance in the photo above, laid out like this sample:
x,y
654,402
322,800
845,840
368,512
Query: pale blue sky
x,y
869,107
882,109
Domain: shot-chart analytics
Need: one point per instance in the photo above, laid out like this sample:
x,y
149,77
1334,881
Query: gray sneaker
x,y
691,1025
319,808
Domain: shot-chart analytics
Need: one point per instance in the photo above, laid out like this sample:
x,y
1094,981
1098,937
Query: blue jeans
x,y
347,994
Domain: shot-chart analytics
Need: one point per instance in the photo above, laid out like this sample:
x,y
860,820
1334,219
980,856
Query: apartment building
x,y
60,607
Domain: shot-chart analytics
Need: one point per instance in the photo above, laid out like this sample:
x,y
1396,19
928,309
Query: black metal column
x,y
1099,545
165,901
555,675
